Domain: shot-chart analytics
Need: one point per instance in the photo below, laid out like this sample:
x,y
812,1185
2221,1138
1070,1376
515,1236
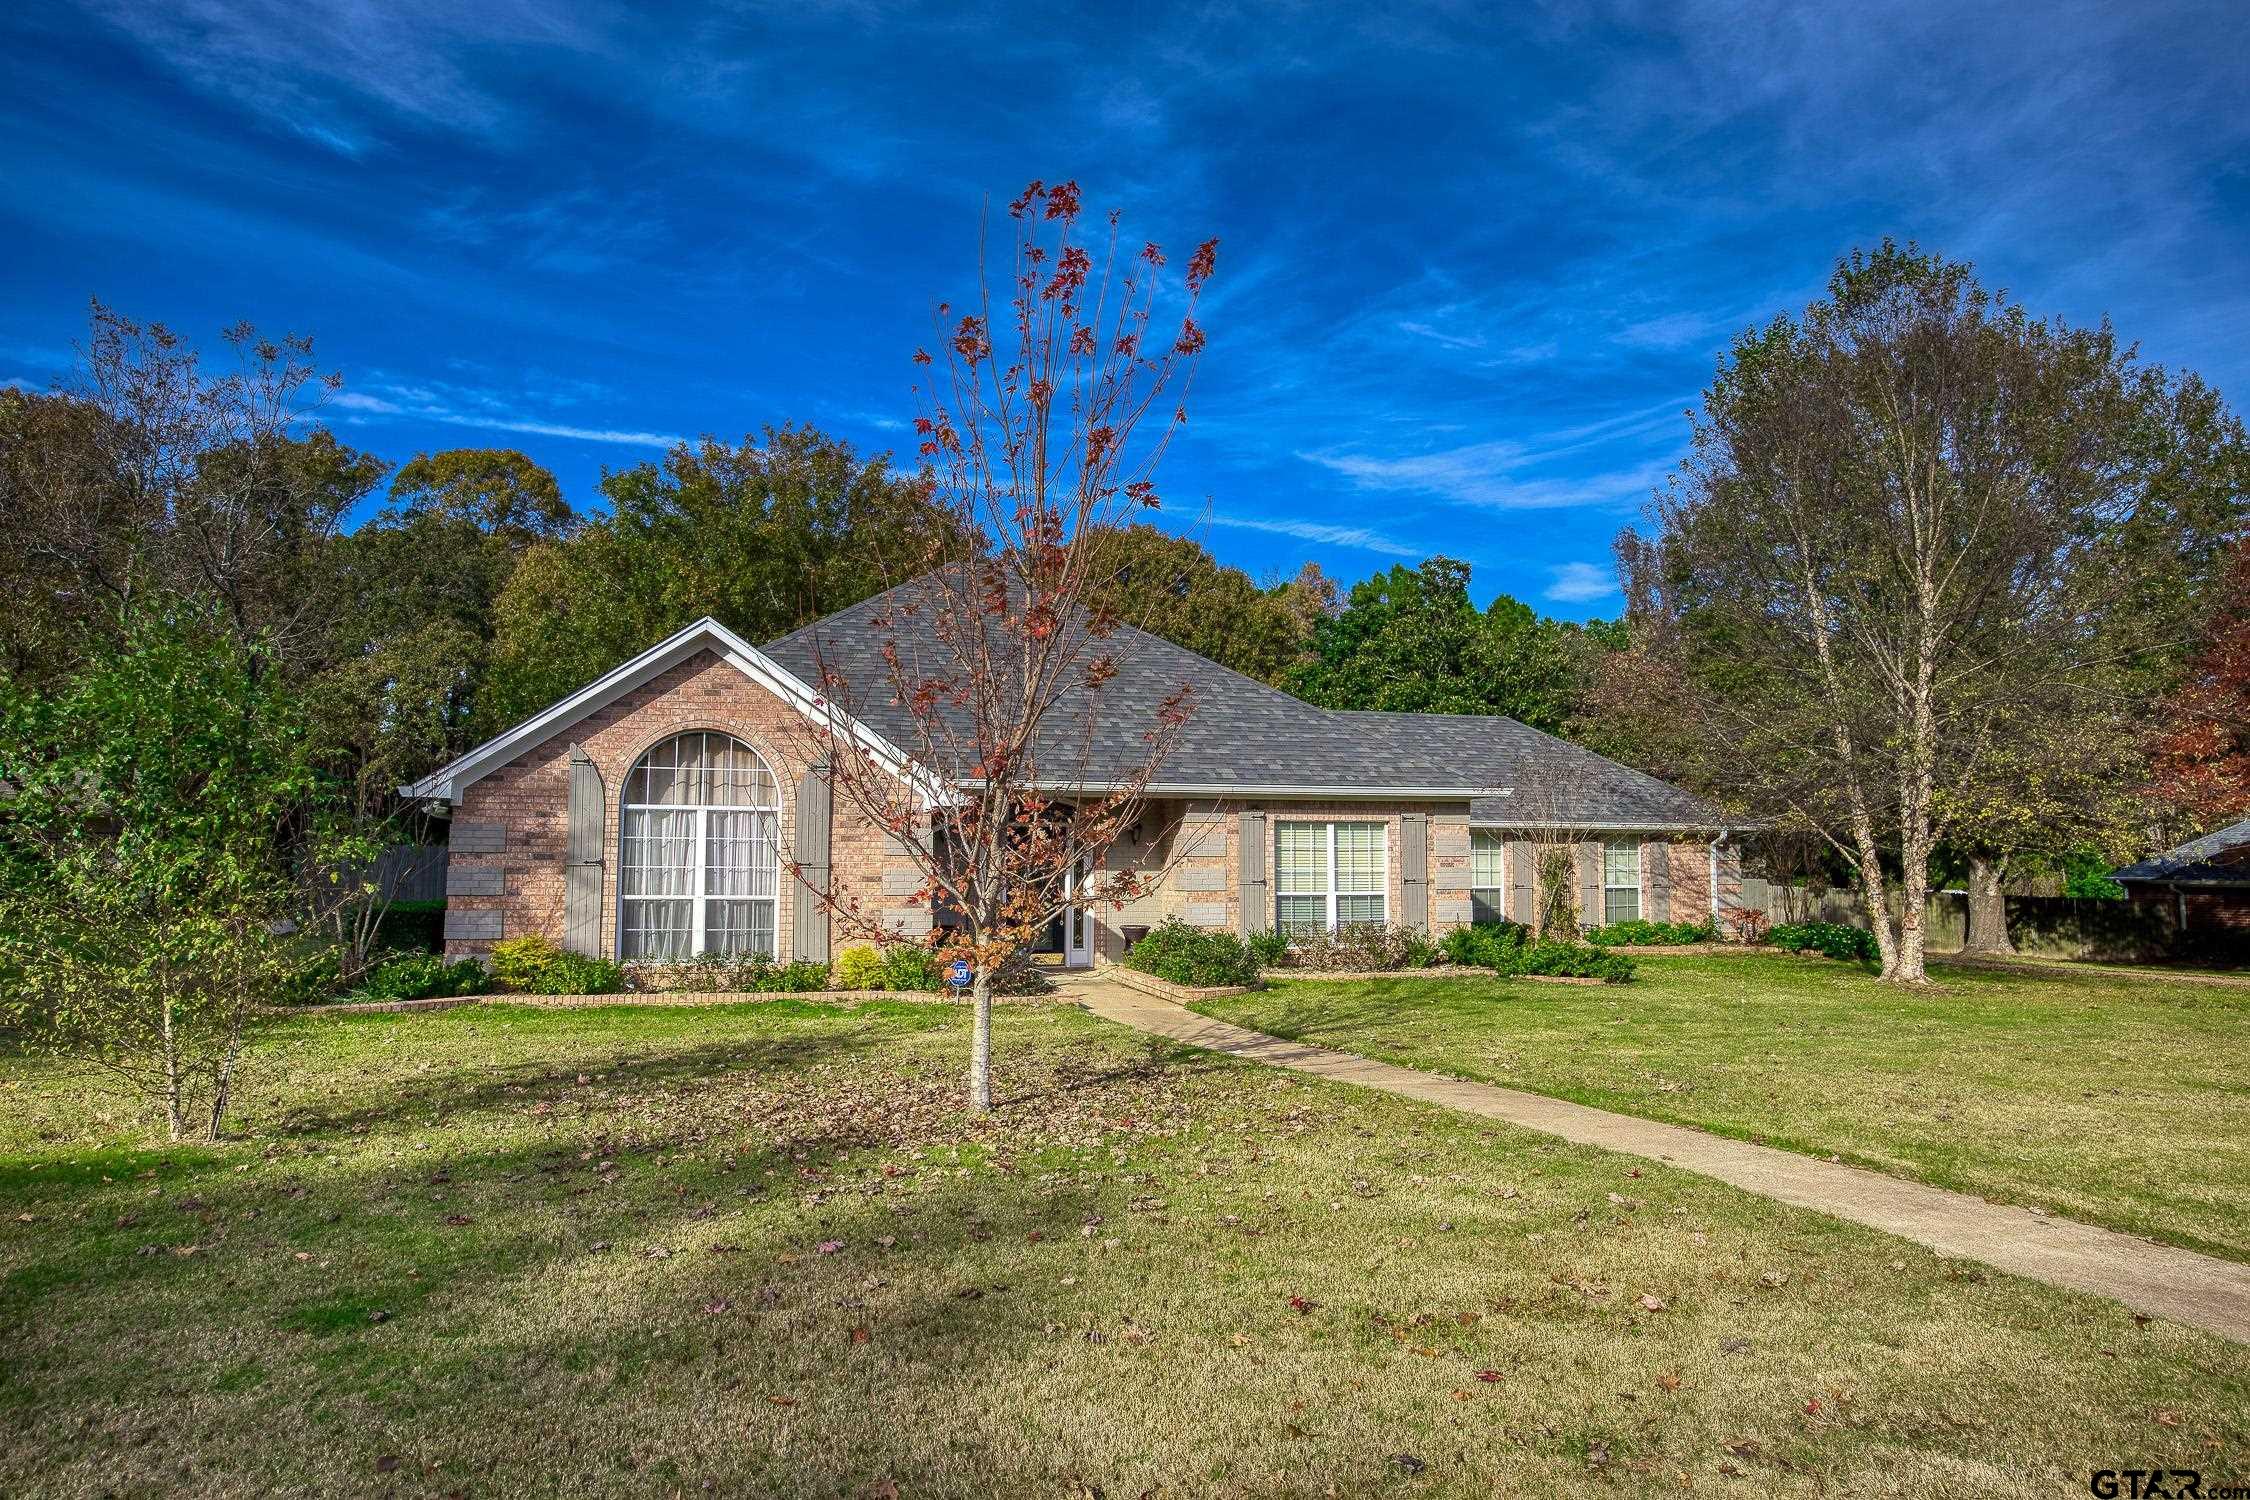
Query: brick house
x,y
659,812
2202,888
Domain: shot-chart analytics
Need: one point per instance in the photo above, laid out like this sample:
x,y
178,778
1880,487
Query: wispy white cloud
x,y
1441,336
482,410
1320,531
1485,475
1579,583
1669,331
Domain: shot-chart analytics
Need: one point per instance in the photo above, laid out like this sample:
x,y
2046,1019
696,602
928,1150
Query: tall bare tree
x,y
1914,520
1025,755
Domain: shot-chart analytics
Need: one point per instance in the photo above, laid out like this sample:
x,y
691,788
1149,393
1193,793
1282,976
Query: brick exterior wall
x,y
509,836
510,828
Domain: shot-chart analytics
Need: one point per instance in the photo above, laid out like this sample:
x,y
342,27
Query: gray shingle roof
x,y
2223,857
1243,735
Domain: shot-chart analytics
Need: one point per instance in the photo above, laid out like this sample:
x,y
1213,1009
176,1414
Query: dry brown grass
x,y
433,1266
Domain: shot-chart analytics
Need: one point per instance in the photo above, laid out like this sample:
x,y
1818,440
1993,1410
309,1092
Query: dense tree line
x,y
475,592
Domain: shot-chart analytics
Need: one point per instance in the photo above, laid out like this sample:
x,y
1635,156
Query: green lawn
x,y
759,1250
2120,1101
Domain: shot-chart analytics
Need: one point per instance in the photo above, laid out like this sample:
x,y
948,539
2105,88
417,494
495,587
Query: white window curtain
x,y
1621,882
1488,876
699,852
1328,874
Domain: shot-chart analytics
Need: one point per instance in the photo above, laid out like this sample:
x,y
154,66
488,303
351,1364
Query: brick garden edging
x,y
1165,989
632,997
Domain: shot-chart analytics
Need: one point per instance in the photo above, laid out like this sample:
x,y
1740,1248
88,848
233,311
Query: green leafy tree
x,y
763,536
1170,586
1920,532
1411,641
497,491
166,840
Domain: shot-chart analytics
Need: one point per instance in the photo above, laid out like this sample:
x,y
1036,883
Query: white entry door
x,y
1078,928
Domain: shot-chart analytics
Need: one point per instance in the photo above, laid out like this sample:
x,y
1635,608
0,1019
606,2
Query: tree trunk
x,y
980,1043
174,1117
1871,892
224,1085
1988,908
1913,938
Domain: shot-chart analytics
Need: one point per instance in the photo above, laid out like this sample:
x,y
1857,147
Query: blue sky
x,y
1476,259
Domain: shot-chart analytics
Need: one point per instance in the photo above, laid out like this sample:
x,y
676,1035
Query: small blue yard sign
x,y
957,974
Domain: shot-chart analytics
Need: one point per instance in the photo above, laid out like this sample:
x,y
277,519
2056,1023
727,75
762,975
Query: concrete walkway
x,y
2160,1280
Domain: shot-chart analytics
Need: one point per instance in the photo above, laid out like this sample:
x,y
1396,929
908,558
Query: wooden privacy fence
x,y
2052,926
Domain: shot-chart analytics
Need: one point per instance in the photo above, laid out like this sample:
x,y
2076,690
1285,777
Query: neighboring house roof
x,y
2221,858
1243,737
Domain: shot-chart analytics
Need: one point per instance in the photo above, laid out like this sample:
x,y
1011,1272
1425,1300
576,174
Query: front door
x,y
1078,929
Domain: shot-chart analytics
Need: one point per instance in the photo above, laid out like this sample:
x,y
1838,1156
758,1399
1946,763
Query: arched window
x,y
699,856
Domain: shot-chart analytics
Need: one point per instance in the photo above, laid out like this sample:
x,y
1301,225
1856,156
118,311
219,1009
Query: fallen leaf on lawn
x,y
2167,1419
860,1335
782,1400
1667,1382
659,1252
1489,1377
883,1489
1734,1346
1652,1302
455,1221
1302,1304
716,1306
1408,1463
1812,1407
1773,1278
829,1247
386,1463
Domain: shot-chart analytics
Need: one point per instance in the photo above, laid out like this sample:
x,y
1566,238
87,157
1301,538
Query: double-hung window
x,y
1488,876
1329,874
699,851
1621,882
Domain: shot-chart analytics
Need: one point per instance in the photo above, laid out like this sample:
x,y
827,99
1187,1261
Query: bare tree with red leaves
x,y
2202,748
1041,429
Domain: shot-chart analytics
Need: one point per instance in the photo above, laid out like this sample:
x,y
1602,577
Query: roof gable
x,y
449,781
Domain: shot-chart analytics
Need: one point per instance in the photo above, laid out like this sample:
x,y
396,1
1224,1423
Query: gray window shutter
x,y
809,927
1656,882
1522,870
582,868
1589,884
1257,907
1414,869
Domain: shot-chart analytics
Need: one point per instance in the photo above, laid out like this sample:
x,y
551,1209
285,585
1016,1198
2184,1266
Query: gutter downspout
x,y
1716,844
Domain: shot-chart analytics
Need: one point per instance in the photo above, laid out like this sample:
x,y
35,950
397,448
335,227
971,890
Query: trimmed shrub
x,y
580,974
533,966
517,963
1365,948
1192,956
420,976
1488,945
1270,948
1831,938
1507,948
1572,961
859,967
1639,934
906,967
722,974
